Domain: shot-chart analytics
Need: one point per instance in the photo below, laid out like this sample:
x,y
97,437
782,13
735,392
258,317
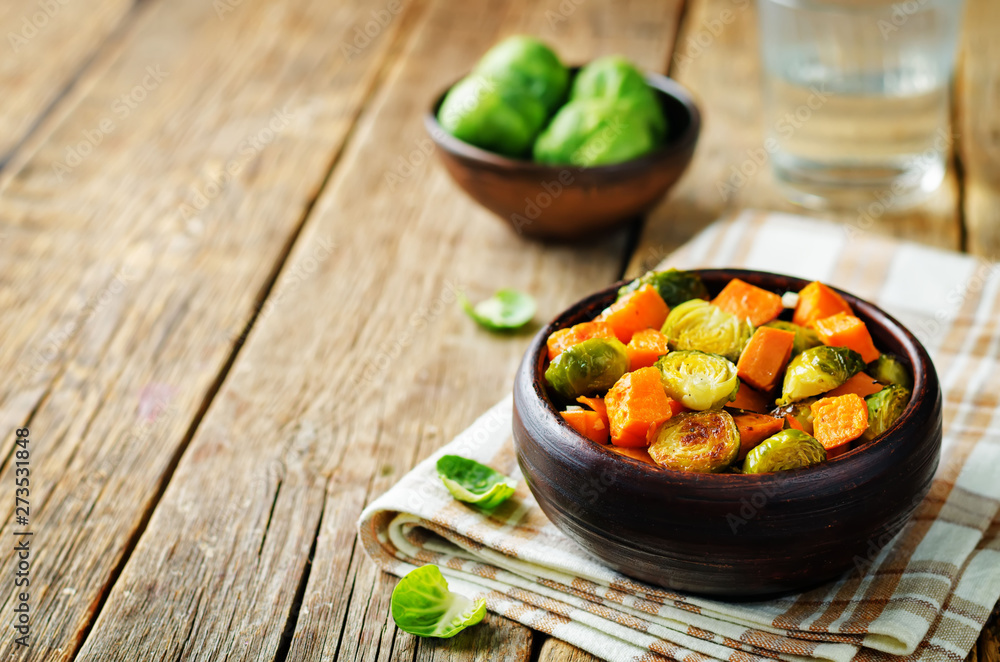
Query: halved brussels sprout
x,y
698,380
697,324
818,370
697,441
788,449
804,338
801,411
884,409
590,367
673,285
888,369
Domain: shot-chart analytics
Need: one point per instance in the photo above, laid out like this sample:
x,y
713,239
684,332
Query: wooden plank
x,y
988,646
717,59
494,641
977,115
128,279
363,368
48,43
554,650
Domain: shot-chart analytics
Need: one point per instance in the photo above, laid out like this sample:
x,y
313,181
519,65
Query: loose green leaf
x,y
507,309
475,483
422,605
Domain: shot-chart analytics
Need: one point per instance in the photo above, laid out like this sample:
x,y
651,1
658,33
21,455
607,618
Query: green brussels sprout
x,y
788,449
697,441
888,369
587,368
474,483
421,604
675,286
697,324
801,411
481,112
804,338
818,370
698,380
884,409
592,132
614,77
528,64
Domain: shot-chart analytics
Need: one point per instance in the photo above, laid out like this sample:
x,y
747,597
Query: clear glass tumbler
x,y
856,97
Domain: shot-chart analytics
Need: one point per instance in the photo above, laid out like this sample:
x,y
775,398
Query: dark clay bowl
x,y
731,535
570,202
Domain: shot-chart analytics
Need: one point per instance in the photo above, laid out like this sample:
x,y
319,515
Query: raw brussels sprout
x,y
614,77
528,64
697,441
801,411
474,483
421,604
884,409
804,338
592,132
481,112
788,449
888,369
587,368
697,324
698,380
818,370
675,286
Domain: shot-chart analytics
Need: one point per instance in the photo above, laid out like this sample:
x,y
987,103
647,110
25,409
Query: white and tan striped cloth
x,y
924,596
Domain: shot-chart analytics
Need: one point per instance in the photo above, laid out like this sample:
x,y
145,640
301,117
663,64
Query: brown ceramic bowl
x,y
570,202
732,535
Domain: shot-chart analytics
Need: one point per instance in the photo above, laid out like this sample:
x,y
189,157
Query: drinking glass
x,y
856,97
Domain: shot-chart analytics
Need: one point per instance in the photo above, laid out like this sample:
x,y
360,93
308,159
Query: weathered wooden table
x,y
228,276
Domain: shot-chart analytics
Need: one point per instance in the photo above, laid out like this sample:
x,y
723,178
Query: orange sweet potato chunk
x,y
561,340
845,330
642,309
748,301
645,347
817,301
636,403
765,356
838,421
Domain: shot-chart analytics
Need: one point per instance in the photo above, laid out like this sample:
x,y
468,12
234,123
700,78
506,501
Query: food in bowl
x,y
751,381
517,102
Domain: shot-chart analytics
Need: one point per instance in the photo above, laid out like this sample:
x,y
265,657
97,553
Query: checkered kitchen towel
x,y
925,596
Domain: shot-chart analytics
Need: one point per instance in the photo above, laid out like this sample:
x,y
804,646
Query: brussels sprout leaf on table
x,y
474,483
421,604
504,311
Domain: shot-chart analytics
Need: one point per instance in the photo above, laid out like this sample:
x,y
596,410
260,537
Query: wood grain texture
x,y
977,116
553,650
47,44
129,278
717,59
364,367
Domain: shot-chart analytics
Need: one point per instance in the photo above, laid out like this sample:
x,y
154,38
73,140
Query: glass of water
x,y
856,97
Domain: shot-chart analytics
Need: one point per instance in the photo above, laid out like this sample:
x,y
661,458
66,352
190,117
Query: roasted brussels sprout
x,y
697,441
674,286
590,367
614,77
884,409
697,324
698,380
591,132
527,63
501,119
888,369
788,449
818,370
801,411
804,338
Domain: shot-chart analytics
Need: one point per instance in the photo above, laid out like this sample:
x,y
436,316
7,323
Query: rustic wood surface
x,y
220,370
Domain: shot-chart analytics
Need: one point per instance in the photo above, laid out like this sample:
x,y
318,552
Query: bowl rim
x,y
659,82
924,376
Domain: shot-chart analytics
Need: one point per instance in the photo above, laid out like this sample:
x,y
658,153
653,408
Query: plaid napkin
x,y
924,595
